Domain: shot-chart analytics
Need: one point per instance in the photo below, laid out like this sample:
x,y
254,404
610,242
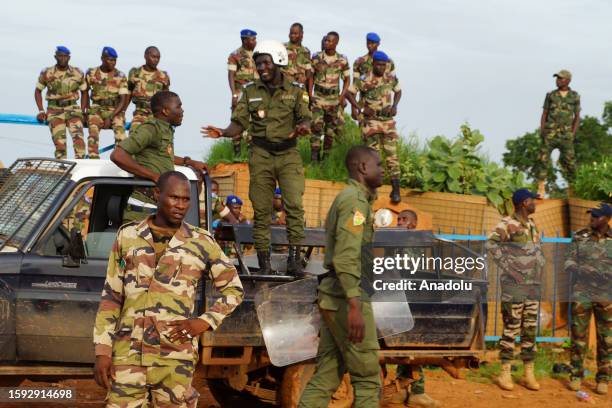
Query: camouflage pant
x,y
520,319
95,122
564,141
581,317
327,120
382,136
165,387
61,117
139,117
406,371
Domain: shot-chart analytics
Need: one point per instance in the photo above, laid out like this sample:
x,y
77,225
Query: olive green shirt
x,y
348,230
152,145
271,116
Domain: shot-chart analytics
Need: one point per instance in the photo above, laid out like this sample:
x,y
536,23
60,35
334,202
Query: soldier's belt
x,y
61,103
274,147
111,102
319,90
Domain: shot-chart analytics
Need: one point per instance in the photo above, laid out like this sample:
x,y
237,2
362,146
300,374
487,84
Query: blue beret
x,y
62,49
247,33
522,194
277,191
232,199
110,51
603,210
373,37
380,56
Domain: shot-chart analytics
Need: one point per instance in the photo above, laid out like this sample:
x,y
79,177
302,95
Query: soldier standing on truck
x,y
275,112
143,83
146,333
517,251
149,152
109,100
590,262
348,332
63,83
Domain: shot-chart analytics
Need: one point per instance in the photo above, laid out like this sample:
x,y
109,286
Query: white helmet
x,y
274,49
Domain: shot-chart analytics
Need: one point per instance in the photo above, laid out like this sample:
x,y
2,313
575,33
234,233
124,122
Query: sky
x,y
485,62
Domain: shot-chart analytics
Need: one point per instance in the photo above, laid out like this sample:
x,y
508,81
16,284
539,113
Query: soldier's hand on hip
x,y
211,132
392,111
103,369
41,117
185,330
356,325
301,130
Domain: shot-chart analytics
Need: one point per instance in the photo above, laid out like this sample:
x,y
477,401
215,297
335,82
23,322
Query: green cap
x,y
564,73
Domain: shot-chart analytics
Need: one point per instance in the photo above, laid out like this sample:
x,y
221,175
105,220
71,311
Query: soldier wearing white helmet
x,y
276,113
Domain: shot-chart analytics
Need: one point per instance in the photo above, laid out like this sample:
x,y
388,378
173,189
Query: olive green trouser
x,y
336,355
266,169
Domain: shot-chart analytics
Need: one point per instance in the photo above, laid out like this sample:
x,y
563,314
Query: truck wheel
x,y
295,379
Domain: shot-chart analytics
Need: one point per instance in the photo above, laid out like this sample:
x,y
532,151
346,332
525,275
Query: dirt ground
x,y
453,393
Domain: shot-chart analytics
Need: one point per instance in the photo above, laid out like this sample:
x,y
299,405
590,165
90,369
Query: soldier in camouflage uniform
x,y
146,333
109,100
559,123
328,100
379,92
240,71
589,262
63,83
143,83
299,67
363,65
516,249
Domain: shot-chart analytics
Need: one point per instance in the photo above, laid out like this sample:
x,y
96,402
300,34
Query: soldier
x,y
220,211
279,217
234,204
63,83
146,333
348,332
274,111
328,100
379,93
109,98
363,65
516,249
149,152
240,71
143,83
558,126
590,263
299,67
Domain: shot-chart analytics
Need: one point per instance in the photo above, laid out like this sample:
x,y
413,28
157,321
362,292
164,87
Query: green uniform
x,y
349,231
144,84
146,288
62,110
516,249
151,145
241,62
273,156
106,91
590,262
558,132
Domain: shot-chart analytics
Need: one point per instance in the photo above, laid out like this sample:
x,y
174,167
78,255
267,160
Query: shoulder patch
x,y
358,218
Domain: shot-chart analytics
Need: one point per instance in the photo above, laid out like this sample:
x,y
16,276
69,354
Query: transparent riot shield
x,y
391,311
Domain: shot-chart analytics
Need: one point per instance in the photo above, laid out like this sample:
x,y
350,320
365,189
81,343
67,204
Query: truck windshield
x,y
27,191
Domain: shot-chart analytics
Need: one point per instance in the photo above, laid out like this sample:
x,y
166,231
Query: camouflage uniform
x,y
590,262
516,248
242,63
62,110
299,65
327,113
106,90
141,295
144,85
558,132
364,64
379,130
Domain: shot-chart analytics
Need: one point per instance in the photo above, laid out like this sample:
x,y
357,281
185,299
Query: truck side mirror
x,y
74,256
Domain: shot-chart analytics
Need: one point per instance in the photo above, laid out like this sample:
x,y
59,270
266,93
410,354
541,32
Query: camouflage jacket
x,y
299,63
140,296
561,109
516,248
376,92
327,71
363,66
62,85
589,259
106,85
144,84
241,61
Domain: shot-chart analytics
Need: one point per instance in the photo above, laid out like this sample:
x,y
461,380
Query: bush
x,y
593,181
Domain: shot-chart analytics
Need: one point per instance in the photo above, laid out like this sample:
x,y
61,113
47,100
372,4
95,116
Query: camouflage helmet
x,y
274,49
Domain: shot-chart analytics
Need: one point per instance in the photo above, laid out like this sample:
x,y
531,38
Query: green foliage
x,y
593,180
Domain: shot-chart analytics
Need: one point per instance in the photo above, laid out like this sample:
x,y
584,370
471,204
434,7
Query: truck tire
x,y
295,379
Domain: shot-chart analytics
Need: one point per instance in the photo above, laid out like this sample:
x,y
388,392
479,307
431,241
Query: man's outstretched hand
x,y
211,132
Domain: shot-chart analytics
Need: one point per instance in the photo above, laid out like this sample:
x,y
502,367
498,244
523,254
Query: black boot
x,y
395,192
314,155
237,150
263,258
294,262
